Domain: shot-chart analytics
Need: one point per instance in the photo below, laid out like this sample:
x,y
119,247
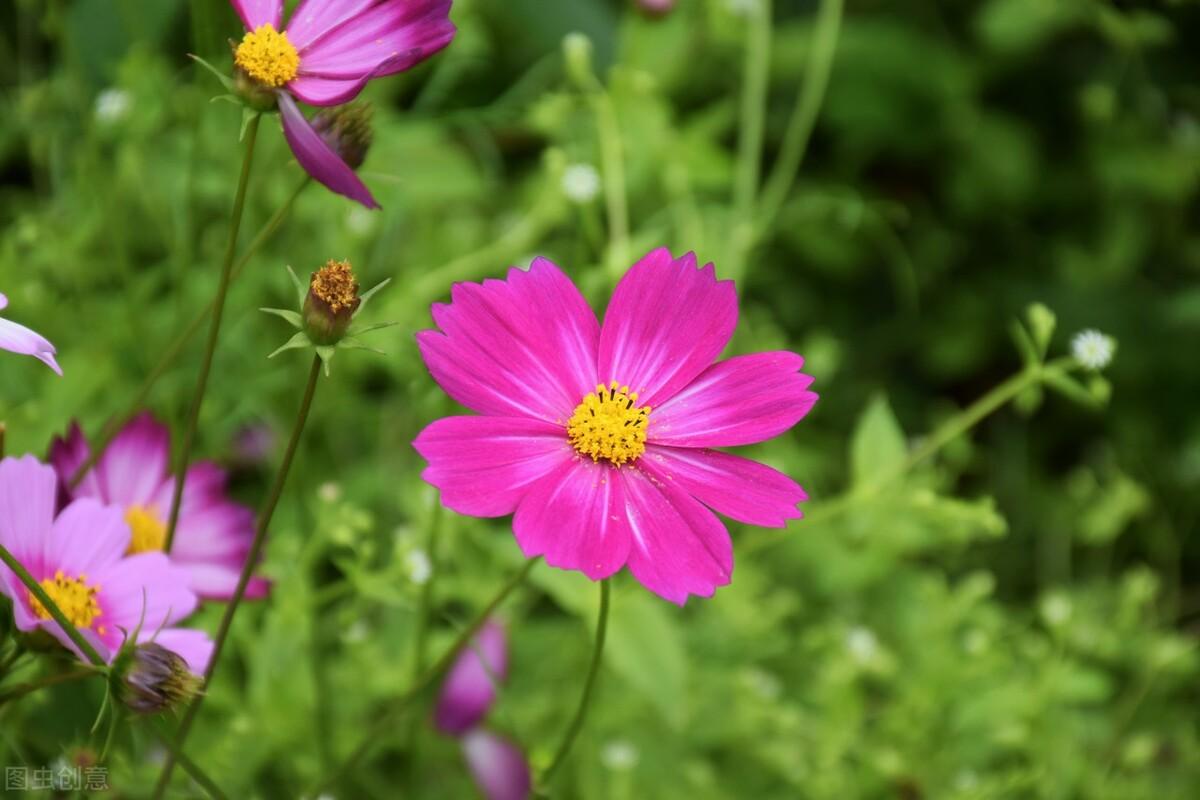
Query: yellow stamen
x,y
334,283
267,56
149,532
609,424
74,596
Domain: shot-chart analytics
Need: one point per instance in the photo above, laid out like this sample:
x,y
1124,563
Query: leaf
x,y
297,341
301,286
293,319
225,80
878,445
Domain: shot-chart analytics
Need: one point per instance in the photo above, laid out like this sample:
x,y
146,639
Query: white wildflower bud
x,y
581,183
1093,349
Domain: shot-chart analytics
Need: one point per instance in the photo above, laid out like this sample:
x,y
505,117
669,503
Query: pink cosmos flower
x,y
600,439
327,54
19,339
214,534
79,559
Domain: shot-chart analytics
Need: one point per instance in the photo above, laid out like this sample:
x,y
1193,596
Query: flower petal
x,y
86,538
737,487
499,768
667,321
19,339
28,493
314,17
678,547
67,455
470,687
259,12
193,646
525,346
216,581
136,463
742,400
485,465
400,32
575,517
3,301
317,158
143,589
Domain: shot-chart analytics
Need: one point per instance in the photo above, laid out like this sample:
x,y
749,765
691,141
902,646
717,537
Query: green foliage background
x,y
1015,618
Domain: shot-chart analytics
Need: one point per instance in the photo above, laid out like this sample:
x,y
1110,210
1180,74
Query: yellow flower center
x,y
74,597
609,424
334,283
149,533
267,56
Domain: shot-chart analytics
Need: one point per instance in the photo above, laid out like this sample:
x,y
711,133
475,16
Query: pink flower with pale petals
x,y
601,439
213,536
328,52
79,558
18,339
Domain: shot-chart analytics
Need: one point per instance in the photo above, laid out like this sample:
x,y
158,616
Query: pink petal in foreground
x,y
259,12
667,321
485,465
316,157
22,341
470,687
737,487
576,518
401,33
87,536
498,766
314,17
28,492
742,400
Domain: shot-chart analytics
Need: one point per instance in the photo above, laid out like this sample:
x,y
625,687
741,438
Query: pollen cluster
x,y
266,55
609,424
74,596
334,284
149,532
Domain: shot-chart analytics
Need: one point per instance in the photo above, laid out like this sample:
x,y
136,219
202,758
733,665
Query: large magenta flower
x,y
19,339
214,534
327,54
600,439
79,559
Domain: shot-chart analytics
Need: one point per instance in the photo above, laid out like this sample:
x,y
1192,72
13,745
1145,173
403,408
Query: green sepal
x,y
296,342
248,115
353,331
369,293
225,80
326,353
301,286
353,344
291,317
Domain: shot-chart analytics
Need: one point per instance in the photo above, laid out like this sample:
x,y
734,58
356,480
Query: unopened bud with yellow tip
x,y
152,679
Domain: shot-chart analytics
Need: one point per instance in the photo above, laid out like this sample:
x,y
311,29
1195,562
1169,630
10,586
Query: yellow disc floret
x,y
609,424
334,283
266,55
74,596
148,531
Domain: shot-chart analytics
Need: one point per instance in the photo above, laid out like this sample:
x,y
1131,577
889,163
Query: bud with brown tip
x,y
347,131
152,679
330,303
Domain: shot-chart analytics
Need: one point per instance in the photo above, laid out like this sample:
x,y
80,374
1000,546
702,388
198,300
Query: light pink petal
x,y
575,517
3,301
470,687
136,463
216,581
143,588
259,12
317,158
87,537
498,766
19,339
193,646
741,400
667,321
485,465
219,530
737,487
314,17
28,497
67,455
678,547
522,347
400,32
203,490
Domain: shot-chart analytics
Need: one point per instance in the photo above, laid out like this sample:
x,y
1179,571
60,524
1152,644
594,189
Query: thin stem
x,y
612,164
421,624
252,557
175,348
589,684
189,766
214,330
38,592
19,690
755,80
400,705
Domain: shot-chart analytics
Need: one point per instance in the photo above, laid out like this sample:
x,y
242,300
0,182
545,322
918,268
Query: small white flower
x,y
581,183
112,105
330,492
420,568
1093,349
862,645
619,755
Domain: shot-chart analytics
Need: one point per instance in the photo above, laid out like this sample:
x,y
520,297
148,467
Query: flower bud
x,y
347,131
154,679
656,8
331,302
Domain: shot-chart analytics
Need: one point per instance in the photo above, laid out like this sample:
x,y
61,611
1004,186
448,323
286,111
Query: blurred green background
x,y
1016,618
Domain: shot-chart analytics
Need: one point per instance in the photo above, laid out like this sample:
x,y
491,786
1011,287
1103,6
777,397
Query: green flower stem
x,y
589,684
37,591
175,348
19,690
214,330
755,82
190,767
612,165
252,557
386,723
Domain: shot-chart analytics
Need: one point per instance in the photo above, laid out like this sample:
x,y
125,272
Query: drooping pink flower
x,y
470,687
79,559
600,439
19,339
214,534
328,52
497,765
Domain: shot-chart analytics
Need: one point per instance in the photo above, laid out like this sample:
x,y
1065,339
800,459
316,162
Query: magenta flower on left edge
x,y
79,559
601,440
328,52
214,534
19,339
